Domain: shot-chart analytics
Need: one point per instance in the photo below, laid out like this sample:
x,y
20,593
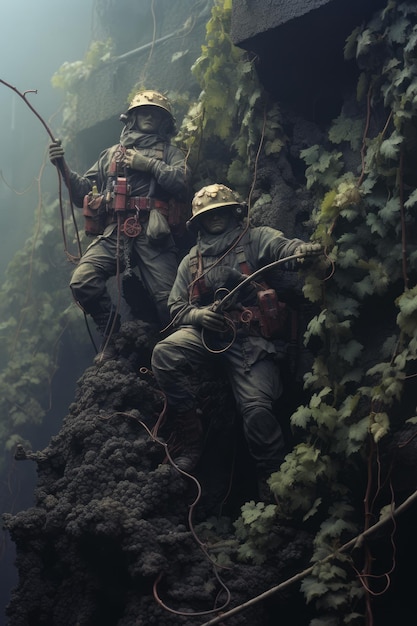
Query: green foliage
x,y
364,183
407,316
254,531
297,484
69,74
34,312
322,166
364,223
332,585
233,116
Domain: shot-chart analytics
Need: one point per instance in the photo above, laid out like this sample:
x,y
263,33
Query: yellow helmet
x,y
213,197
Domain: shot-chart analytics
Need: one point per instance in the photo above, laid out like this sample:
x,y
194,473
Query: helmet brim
x,y
212,207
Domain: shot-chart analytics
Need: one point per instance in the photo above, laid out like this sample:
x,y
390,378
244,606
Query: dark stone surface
x,y
252,17
299,48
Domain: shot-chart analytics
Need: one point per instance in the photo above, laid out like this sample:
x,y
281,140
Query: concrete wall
x,y
154,52
252,17
299,46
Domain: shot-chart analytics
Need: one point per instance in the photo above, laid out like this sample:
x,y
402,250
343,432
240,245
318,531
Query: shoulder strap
x,y
242,260
116,159
198,285
245,268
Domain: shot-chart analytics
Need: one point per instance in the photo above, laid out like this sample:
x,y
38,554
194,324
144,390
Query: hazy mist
x,y
37,38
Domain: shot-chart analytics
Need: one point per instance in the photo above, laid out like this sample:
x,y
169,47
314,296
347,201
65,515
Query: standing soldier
x,y
228,249
132,198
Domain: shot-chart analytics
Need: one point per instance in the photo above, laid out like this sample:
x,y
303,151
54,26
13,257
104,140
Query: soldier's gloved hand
x,y
56,151
205,317
308,249
137,161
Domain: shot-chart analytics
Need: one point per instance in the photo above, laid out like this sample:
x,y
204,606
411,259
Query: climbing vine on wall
x,y
69,74
365,330
34,312
232,118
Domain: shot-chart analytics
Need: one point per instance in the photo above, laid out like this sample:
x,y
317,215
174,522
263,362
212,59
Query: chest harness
x,y
267,318
117,204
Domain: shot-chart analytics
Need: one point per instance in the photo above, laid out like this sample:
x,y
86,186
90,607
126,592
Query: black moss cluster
x,y
111,539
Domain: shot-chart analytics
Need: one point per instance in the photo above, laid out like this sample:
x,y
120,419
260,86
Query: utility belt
x,y
98,213
267,319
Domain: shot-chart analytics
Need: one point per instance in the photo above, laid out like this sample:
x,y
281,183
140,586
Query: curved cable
x,y
48,130
153,435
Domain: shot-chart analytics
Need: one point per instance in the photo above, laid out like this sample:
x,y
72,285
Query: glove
x,y
56,151
205,317
308,249
137,161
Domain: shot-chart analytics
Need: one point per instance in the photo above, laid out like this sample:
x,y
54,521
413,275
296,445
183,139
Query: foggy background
x,y
38,36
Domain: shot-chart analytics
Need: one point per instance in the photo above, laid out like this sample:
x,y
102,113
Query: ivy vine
x,y
224,129
357,382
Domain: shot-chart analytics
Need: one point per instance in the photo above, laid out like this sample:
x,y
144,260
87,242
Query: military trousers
x,y
254,377
157,267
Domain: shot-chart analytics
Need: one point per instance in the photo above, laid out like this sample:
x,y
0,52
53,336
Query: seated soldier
x,y
228,249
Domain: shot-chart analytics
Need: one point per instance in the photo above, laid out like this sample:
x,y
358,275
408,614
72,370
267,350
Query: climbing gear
x,y
273,314
213,197
102,209
131,227
188,440
267,318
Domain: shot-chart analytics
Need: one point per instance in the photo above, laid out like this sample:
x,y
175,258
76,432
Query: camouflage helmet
x,y
213,197
150,98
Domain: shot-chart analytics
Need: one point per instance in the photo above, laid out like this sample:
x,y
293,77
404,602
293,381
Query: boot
x,y
188,436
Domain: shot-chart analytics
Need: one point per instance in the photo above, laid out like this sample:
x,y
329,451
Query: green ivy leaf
x,y
411,200
390,148
379,426
301,417
351,351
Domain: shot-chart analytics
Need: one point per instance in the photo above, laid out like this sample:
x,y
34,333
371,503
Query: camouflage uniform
x,y
166,178
250,361
157,264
